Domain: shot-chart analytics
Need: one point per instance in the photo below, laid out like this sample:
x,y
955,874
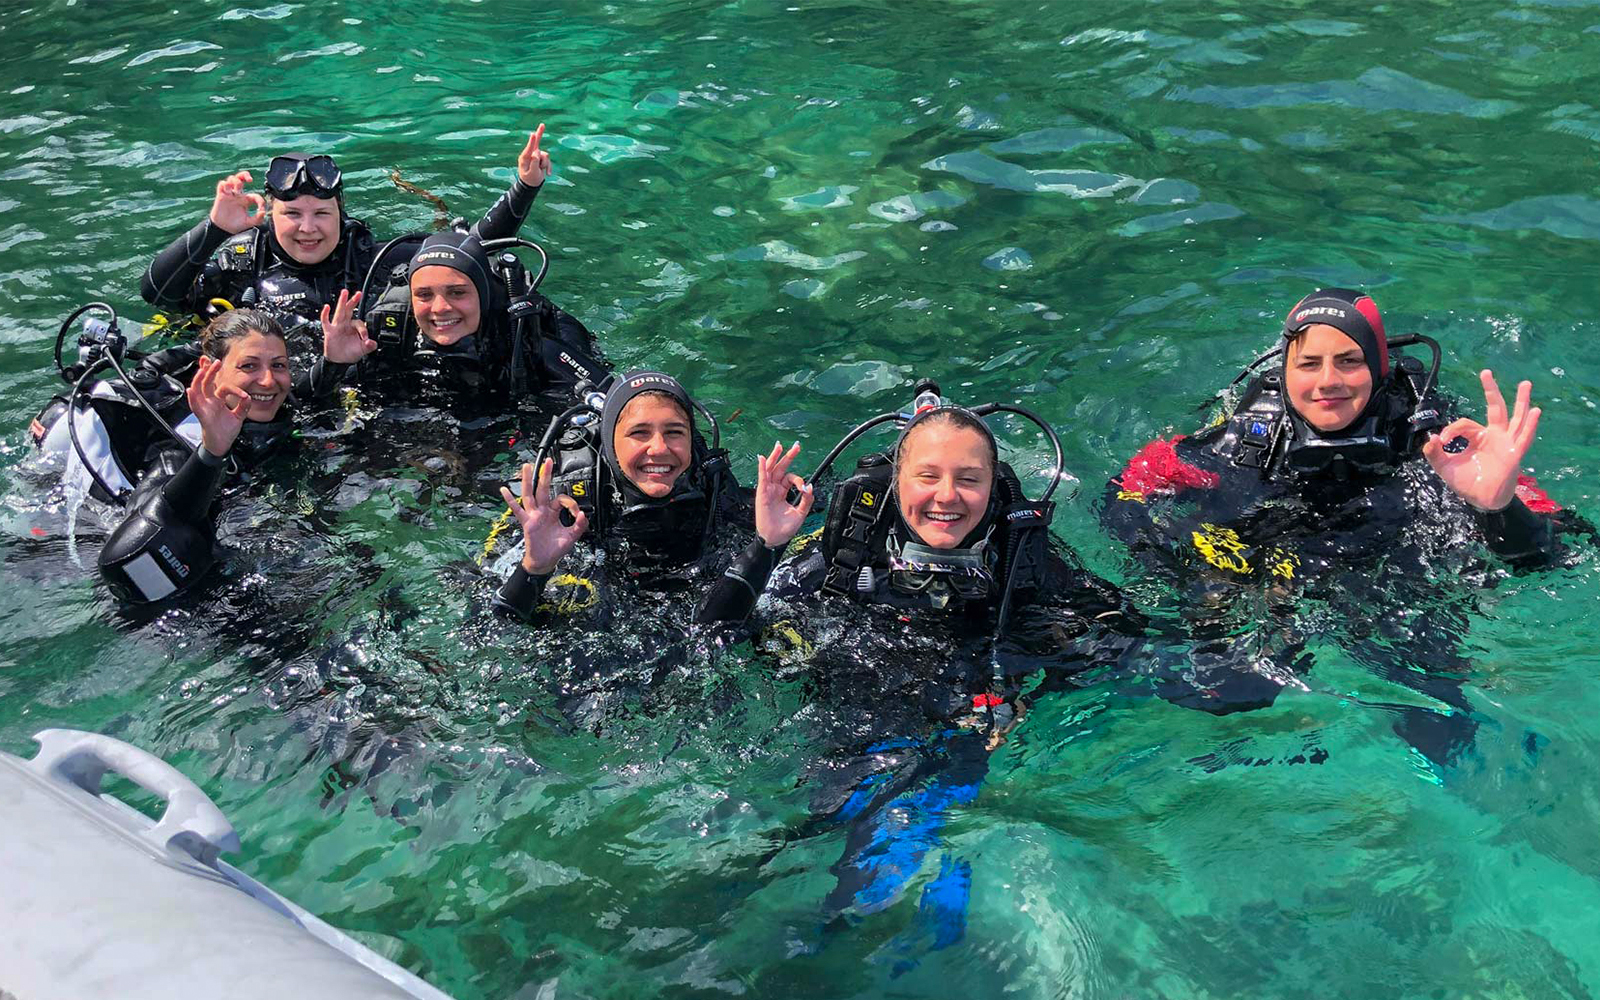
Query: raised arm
x,y
505,216
734,596
174,278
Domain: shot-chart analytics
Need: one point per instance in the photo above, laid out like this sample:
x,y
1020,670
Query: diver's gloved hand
x,y
1484,473
231,210
220,408
777,520
533,163
344,338
545,539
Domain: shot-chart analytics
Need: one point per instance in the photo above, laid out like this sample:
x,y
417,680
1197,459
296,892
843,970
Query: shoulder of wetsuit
x,y
358,233
239,252
1252,435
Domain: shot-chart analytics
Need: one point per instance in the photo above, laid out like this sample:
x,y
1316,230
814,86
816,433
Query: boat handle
x,y
191,822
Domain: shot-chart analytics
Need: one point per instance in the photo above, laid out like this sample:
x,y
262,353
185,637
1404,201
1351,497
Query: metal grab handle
x,y
191,823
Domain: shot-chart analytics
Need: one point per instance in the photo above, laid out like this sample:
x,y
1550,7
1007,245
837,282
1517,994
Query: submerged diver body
x,y
163,451
1338,479
936,579
291,252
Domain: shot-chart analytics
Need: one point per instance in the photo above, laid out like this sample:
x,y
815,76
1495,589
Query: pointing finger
x,y
533,140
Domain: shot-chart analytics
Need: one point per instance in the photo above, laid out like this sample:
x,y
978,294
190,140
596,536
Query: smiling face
x,y
307,227
257,365
945,475
652,443
445,304
1326,378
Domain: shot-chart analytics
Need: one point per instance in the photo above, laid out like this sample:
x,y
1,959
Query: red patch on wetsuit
x,y
1158,469
1534,498
985,700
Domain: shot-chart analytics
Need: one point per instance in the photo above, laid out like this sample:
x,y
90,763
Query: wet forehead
x,y
943,445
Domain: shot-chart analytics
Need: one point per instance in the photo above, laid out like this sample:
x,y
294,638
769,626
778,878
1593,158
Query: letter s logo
x,y
868,500
580,489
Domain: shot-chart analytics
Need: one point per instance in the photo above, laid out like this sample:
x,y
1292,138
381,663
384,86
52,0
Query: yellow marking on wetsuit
x,y
494,533
799,651
1283,563
1131,495
1222,548
800,542
158,324
225,305
570,604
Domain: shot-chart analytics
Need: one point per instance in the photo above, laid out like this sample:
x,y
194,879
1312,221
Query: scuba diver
x,y
933,591
1339,475
464,318
629,470
938,523
163,451
292,251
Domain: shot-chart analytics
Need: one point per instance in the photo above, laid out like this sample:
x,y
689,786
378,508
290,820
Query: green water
x,y
1097,209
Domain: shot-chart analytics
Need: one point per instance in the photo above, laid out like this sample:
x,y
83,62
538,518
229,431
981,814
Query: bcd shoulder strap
x,y
853,518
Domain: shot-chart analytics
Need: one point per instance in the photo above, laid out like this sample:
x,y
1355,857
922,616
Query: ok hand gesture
x,y
344,338
1484,473
231,210
544,538
533,164
777,520
220,409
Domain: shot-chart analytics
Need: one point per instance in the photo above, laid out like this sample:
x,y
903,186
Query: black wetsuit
x,y
250,268
1250,553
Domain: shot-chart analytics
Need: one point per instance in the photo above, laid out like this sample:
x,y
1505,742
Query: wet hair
x,y
957,417
219,336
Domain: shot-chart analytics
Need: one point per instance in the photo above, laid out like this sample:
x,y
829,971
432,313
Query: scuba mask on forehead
x,y
295,174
